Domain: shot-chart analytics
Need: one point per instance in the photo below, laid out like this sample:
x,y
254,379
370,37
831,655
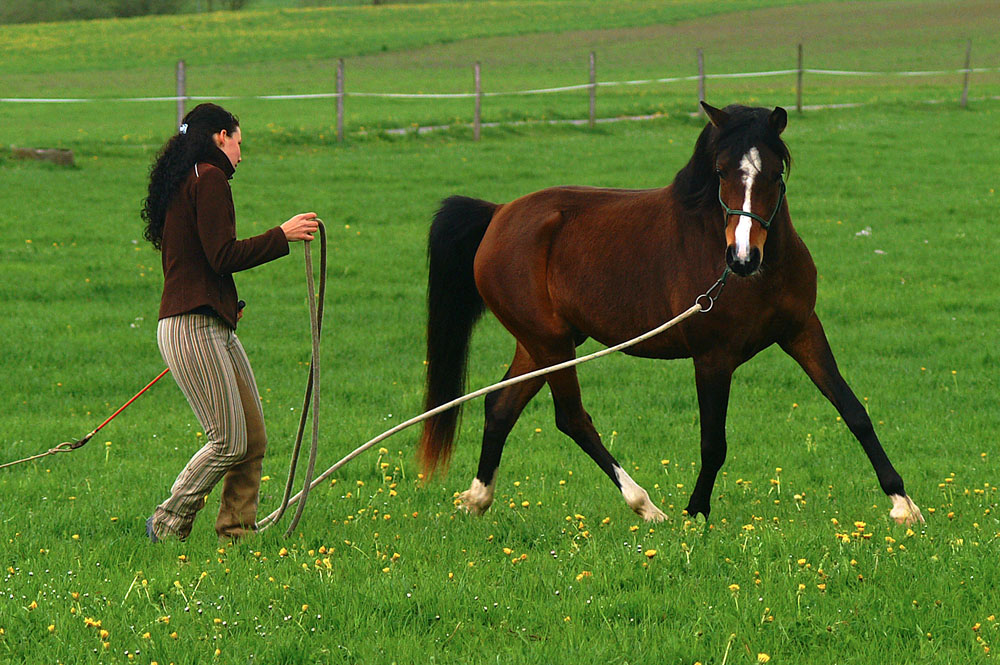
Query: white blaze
x,y
750,166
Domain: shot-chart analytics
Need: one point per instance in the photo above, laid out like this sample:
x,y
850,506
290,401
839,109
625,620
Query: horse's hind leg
x,y
503,408
573,420
812,351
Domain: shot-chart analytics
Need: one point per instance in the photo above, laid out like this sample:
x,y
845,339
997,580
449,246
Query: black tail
x,y
453,307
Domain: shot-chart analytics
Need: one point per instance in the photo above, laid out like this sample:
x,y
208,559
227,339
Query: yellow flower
x,y
763,658
650,554
734,587
52,628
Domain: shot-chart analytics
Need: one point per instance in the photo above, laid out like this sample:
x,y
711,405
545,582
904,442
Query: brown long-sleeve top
x,y
199,248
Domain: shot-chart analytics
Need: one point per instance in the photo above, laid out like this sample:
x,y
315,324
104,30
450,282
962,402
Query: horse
x,y
564,264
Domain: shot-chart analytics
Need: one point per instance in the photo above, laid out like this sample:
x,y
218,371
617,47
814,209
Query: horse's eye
x,y
719,173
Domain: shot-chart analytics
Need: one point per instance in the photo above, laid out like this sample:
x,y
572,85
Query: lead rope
x,y
710,296
312,391
67,446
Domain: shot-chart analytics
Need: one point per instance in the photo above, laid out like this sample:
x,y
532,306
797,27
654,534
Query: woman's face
x,y
230,144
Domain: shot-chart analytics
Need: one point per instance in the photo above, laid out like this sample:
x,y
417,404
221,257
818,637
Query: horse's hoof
x,y
477,499
651,513
904,511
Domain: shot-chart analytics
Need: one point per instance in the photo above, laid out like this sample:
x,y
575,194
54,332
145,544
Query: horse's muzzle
x,y
743,268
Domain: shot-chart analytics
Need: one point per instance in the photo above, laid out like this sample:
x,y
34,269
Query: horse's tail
x,y
453,307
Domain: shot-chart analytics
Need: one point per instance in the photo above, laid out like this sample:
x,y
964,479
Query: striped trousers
x,y
212,370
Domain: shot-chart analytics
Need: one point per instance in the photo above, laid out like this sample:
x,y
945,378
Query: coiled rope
x,y
312,391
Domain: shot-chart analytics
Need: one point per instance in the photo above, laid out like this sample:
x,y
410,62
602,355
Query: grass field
x,y
801,563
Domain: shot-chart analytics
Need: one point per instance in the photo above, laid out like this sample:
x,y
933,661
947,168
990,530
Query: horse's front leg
x,y
713,380
809,347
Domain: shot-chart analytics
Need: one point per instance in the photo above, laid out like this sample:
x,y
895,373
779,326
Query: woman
x,y
190,218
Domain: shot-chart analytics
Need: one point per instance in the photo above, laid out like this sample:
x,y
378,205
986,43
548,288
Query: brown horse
x,y
564,264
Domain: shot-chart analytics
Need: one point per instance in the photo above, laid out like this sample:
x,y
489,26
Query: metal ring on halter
x,y
719,284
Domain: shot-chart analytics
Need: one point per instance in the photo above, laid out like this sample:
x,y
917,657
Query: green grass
x,y
913,326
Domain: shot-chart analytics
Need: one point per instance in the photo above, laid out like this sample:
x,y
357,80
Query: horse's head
x,y
749,162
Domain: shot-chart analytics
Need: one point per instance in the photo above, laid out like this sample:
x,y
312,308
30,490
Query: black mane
x,y
696,184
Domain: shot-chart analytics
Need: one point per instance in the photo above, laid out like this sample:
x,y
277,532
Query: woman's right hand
x,y
300,227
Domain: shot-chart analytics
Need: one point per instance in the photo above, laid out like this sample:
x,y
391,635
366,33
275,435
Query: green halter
x,y
766,223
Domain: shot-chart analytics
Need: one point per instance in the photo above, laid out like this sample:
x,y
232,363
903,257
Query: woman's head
x,y
207,129
210,124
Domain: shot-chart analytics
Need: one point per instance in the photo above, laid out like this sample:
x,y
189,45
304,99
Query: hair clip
x,y
183,129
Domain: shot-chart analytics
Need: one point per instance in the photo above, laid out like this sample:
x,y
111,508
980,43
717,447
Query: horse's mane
x,y
696,184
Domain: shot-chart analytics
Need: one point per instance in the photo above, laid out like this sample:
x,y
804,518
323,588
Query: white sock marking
x,y
904,511
479,497
637,498
750,166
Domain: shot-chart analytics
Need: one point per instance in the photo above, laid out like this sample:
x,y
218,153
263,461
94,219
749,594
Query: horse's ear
x,y
718,117
778,119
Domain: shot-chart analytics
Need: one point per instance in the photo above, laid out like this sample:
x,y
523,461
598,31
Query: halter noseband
x,y
766,223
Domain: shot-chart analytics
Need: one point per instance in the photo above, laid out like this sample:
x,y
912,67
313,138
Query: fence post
x,y
181,92
701,82
340,100
593,89
798,87
968,70
477,124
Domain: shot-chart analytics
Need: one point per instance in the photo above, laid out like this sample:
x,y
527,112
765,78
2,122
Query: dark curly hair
x,y
191,144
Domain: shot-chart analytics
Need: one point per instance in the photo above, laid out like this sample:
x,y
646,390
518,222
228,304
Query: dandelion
x,y
651,553
763,658
734,587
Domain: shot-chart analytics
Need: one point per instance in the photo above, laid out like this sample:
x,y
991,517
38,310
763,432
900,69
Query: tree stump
x,y
55,155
